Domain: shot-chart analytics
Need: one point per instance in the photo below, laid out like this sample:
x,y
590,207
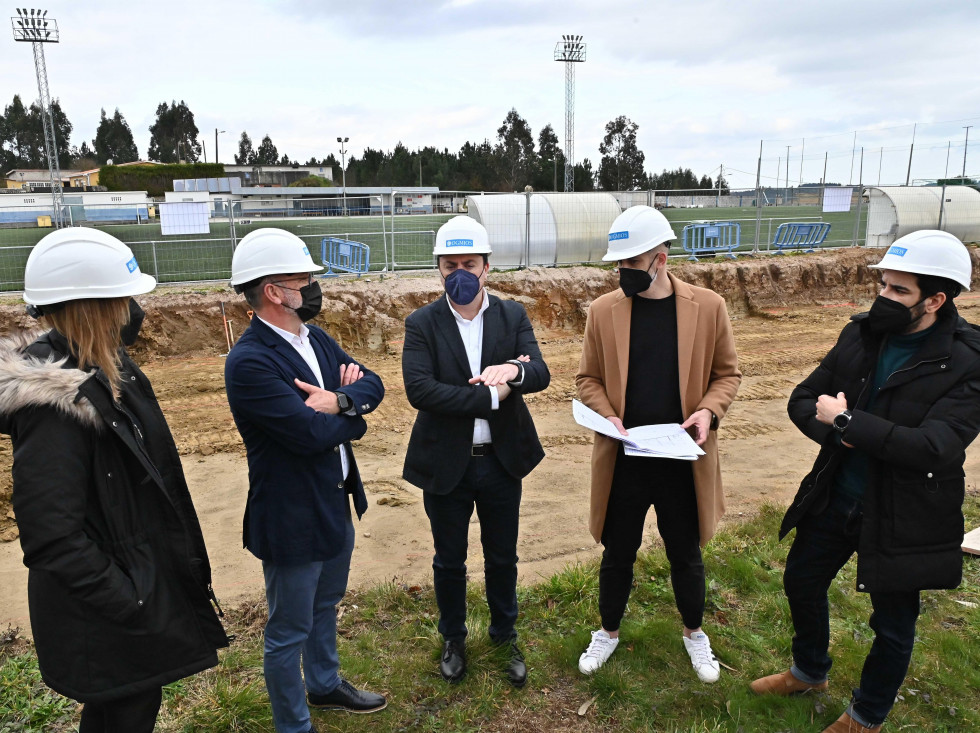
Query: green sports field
x,y
401,242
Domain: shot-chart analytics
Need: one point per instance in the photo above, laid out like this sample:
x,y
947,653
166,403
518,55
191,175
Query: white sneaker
x,y
600,649
699,650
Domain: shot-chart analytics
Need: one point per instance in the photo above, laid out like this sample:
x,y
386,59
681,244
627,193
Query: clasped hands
x,y
323,400
497,375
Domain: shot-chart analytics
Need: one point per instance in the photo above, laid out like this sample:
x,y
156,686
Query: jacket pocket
x,y
926,513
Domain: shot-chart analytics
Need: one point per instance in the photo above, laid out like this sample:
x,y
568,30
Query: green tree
x,y
173,137
583,176
621,167
312,181
266,153
476,167
114,140
550,174
14,136
246,153
515,152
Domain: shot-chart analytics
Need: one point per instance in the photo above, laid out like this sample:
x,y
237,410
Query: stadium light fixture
x,y
343,168
570,50
35,27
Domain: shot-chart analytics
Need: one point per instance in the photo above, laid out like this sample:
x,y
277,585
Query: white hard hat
x,y
637,230
929,252
81,262
269,252
462,235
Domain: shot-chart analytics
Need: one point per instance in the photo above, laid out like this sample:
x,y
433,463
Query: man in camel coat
x,y
656,351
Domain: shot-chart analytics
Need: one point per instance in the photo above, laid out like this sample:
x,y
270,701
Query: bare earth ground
x,y
786,311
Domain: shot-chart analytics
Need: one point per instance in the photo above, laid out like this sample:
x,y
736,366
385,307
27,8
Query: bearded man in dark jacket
x,y
893,406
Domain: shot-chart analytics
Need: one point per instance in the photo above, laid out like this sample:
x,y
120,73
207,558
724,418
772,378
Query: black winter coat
x,y
923,418
119,580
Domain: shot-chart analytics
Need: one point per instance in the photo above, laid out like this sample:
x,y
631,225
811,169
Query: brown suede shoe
x,y
847,724
784,683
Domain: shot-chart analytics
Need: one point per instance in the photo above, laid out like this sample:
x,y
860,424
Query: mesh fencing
x,y
526,229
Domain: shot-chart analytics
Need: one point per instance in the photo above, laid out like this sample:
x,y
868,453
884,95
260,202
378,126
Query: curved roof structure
x,y
894,211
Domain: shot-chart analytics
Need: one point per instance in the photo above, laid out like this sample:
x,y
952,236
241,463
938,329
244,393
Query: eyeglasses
x,y
309,280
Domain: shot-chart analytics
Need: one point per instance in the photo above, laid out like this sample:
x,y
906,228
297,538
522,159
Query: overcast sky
x,y
705,81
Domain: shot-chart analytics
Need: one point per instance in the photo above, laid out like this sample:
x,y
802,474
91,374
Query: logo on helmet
x,y
132,265
897,251
613,236
459,242
306,250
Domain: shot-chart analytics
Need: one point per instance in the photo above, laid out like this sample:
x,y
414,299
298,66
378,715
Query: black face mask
x,y
890,317
634,281
131,330
312,301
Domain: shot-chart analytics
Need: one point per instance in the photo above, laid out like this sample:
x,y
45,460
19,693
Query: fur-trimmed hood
x,y
28,381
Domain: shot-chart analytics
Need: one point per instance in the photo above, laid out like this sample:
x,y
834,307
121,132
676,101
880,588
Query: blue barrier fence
x,y
711,237
344,255
800,235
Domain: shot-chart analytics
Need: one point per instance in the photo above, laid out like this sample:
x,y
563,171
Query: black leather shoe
x,y
453,661
349,698
517,669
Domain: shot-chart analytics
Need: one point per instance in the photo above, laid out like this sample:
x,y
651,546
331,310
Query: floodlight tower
x,y
343,167
35,27
571,50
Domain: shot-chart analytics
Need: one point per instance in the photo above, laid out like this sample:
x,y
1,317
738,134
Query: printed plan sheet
x,y
661,441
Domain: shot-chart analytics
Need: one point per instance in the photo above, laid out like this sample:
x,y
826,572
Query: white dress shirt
x,y
472,334
305,349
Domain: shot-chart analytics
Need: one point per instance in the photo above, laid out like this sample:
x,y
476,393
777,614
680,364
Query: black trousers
x,y
824,543
134,714
496,495
668,486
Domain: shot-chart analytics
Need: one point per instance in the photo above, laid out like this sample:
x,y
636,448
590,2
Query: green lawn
x,y
208,256
389,643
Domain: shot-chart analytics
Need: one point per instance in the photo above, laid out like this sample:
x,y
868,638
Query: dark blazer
x,y
119,580
436,372
297,498
916,434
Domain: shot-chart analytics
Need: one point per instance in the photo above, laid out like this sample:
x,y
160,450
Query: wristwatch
x,y
343,402
842,420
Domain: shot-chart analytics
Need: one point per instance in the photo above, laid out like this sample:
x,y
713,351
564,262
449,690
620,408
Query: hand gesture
x,y
700,420
321,400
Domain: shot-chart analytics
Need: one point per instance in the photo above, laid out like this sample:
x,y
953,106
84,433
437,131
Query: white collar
x,y
291,337
459,318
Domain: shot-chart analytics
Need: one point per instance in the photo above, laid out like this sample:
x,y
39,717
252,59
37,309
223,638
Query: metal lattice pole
x,y
50,143
570,50
569,126
35,27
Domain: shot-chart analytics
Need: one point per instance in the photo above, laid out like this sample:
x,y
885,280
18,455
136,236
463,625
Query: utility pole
x,y
966,144
343,167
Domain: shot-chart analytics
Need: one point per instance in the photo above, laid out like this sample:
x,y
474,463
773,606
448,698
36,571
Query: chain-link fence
x,y
526,229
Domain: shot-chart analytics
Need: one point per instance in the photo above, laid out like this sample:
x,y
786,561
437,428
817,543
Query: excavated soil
x,y
786,311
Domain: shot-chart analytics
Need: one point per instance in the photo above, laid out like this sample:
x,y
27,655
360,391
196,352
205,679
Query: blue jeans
x,y
303,623
823,545
497,498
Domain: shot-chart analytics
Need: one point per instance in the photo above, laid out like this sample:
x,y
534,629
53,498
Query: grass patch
x,y
389,643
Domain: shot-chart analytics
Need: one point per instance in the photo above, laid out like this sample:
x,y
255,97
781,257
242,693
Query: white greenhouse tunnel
x,y
894,211
558,229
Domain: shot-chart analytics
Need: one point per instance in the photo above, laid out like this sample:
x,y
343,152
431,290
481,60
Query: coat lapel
x,y
687,319
622,313
286,351
446,323
491,325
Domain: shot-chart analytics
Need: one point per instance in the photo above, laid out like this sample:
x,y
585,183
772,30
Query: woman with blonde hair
x,y
119,584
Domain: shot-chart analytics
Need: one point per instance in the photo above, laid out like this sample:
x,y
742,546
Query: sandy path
x,y
763,455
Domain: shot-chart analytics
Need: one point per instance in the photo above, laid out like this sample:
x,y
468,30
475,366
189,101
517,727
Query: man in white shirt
x,y
298,401
469,358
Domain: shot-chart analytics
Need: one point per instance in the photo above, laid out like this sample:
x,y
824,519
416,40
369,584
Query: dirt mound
x,y
182,340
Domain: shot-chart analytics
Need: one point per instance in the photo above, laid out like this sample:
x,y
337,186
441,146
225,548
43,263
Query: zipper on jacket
x,y
910,368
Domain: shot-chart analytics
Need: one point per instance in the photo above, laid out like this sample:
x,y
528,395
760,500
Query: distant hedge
x,y
155,179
